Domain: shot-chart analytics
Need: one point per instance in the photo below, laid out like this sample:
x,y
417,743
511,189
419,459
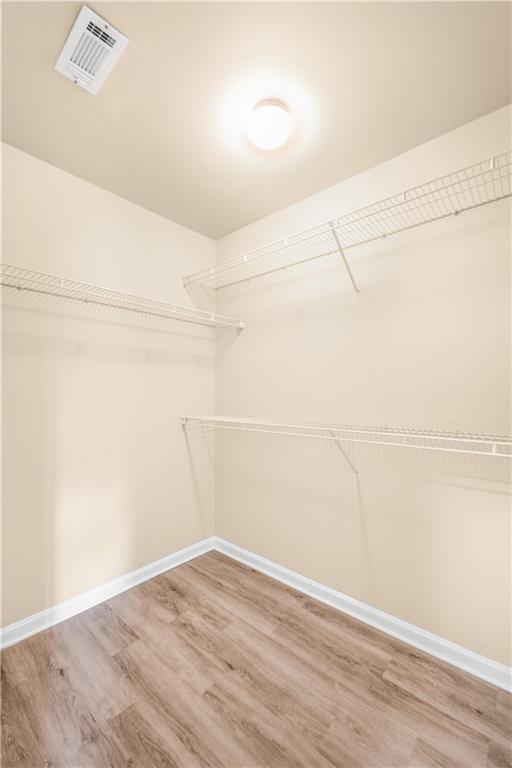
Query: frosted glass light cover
x,y
269,125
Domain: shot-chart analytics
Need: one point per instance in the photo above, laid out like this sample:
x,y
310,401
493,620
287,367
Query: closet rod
x,y
423,439
472,187
30,280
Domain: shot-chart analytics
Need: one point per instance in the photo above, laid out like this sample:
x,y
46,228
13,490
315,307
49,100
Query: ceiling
x,y
364,82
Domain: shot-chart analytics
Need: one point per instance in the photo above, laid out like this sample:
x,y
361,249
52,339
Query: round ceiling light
x,y
269,125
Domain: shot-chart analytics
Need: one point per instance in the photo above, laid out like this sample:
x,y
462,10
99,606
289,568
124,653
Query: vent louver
x,y
91,50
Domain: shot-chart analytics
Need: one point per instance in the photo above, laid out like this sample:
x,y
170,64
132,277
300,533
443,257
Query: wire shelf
x,y
422,439
22,279
463,190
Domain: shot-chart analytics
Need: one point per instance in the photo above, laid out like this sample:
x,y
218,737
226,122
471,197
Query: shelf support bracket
x,y
345,455
344,258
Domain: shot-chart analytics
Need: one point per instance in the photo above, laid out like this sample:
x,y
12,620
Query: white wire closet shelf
x,y
466,189
42,283
422,439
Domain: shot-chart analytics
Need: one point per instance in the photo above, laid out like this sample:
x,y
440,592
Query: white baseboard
x,y
469,661
480,666
20,630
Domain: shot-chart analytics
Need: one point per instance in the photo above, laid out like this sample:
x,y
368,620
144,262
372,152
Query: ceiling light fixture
x,y
269,125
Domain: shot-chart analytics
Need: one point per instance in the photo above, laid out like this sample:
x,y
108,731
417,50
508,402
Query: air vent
x,y
91,50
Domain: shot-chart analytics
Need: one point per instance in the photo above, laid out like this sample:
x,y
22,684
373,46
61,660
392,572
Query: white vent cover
x,y
91,50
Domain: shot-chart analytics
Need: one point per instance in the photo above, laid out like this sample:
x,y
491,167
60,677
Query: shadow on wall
x,y
200,452
96,476
74,309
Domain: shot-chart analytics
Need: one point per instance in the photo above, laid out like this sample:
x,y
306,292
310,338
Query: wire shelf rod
x,y
32,281
370,237
432,440
334,251
449,195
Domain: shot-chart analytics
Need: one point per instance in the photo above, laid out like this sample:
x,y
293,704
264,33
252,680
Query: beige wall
x,y
426,344
96,474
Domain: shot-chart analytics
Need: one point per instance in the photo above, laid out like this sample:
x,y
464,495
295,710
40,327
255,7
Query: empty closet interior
x,y
256,390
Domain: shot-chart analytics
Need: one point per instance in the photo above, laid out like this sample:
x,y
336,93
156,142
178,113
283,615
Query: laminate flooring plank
x,y
246,575
453,692
269,707
238,668
145,616
99,746
174,592
46,718
235,601
285,602
63,698
177,660
317,644
366,733
141,742
455,740
504,702
161,637
268,740
303,684
427,756
197,732
111,632
21,661
269,686
352,631
20,744
90,671
499,757
252,586
387,711
179,657
191,598
212,650
215,665
368,742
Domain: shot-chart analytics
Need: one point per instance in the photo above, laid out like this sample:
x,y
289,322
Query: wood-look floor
x,y
213,664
